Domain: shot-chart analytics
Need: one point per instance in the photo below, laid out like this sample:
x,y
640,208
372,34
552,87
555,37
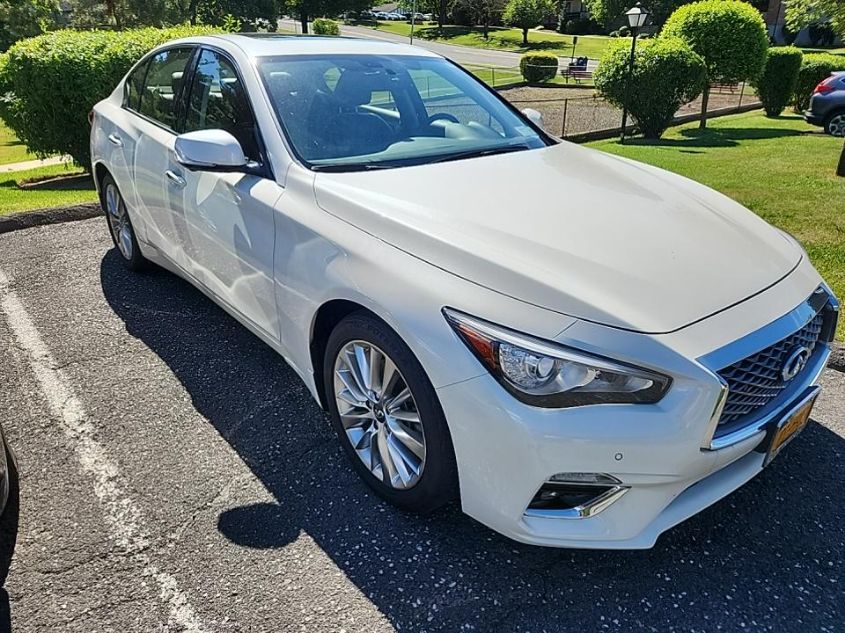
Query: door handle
x,y
175,179
114,139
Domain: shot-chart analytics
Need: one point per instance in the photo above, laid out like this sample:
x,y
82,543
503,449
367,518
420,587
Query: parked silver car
x,y
827,105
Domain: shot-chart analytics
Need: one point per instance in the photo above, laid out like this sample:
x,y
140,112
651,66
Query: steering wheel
x,y
442,116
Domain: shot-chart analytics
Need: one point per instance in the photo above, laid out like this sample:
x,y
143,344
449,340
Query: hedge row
x,y
537,67
322,26
49,83
814,68
776,84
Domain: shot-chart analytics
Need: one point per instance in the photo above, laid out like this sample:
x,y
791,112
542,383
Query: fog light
x,y
575,495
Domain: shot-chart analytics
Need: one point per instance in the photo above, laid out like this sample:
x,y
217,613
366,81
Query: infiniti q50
x,y
579,349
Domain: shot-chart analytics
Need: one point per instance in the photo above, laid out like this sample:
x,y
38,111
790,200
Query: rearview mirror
x,y
210,150
534,116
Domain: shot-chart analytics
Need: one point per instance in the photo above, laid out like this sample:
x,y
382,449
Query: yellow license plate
x,y
790,427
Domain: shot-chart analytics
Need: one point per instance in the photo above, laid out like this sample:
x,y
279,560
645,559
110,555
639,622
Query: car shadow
x,y
767,555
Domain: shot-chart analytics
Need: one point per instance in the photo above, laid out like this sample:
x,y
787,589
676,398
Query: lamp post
x,y
637,16
413,19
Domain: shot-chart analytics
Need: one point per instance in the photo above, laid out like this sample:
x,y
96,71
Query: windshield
x,y
350,112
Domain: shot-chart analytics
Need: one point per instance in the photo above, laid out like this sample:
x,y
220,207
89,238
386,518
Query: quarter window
x,y
218,100
163,85
134,86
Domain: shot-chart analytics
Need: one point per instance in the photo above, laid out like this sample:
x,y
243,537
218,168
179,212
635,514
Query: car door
x,y
116,136
229,217
154,161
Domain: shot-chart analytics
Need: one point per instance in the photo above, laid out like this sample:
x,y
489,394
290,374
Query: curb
x,y
29,219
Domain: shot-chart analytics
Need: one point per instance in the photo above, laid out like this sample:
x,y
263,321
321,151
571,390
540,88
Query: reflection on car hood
x,y
573,230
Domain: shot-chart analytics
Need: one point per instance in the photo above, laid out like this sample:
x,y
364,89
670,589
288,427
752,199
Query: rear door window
x,y
164,86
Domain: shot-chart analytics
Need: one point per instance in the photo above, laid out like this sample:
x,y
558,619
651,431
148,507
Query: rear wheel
x,y
835,124
120,226
387,415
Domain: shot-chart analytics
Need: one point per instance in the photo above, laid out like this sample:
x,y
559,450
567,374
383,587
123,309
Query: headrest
x,y
356,87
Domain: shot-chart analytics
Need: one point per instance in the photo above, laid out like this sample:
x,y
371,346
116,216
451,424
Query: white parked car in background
x,y
581,349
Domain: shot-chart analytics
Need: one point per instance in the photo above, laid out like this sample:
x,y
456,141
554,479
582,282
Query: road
x,y
177,477
458,54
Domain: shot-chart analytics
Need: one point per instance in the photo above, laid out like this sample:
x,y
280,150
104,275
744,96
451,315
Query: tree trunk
x,y
486,27
840,169
705,97
525,37
303,20
192,11
441,16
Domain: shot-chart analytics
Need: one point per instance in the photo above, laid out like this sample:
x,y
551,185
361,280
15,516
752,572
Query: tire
x,y
9,517
120,226
835,124
407,480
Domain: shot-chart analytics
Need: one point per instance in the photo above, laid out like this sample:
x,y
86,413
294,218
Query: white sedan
x,y
580,349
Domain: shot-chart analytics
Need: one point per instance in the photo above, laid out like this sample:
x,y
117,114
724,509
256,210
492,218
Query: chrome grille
x,y
755,381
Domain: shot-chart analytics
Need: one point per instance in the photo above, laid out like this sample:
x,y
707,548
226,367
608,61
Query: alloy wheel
x,y
118,221
836,126
379,414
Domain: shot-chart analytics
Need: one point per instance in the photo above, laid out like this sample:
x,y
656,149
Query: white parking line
x,y
122,516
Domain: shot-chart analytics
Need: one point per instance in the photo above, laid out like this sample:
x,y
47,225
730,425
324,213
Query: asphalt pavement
x,y
458,54
176,476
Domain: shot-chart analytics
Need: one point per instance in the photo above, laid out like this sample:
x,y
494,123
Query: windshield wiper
x,y
342,167
478,153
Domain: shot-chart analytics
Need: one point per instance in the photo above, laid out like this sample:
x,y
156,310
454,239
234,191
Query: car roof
x,y
271,44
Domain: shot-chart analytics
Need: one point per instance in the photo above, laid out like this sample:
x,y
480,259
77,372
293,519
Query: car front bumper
x,y
664,455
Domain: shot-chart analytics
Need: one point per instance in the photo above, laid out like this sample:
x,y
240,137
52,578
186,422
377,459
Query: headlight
x,y
547,374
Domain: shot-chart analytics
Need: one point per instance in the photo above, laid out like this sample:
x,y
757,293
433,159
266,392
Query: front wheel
x,y
120,226
387,415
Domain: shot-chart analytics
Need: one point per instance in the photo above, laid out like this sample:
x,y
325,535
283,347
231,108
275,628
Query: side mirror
x,y
534,116
210,150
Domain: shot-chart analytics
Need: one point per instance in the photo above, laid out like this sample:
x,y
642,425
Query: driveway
x,y
176,476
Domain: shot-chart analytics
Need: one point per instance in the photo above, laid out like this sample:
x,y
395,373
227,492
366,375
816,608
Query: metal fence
x,y
591,115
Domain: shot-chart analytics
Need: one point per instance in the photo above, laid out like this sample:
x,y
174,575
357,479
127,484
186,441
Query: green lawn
x,y
836,50
505,39
782,169
13,198
11,149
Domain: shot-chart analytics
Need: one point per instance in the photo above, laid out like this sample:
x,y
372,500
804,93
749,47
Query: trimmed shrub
x,y
776,83
667,74
537,67
50,83
322,26
814,68
729,35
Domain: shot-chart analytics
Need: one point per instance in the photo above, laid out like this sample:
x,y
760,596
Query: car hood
x,y
573,230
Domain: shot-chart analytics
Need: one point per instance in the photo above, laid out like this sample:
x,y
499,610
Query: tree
x,y
667,74
730,36
526,14
610,13
25,18
481,12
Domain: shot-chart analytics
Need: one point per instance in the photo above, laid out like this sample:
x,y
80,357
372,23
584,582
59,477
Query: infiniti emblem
x,y
795,362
